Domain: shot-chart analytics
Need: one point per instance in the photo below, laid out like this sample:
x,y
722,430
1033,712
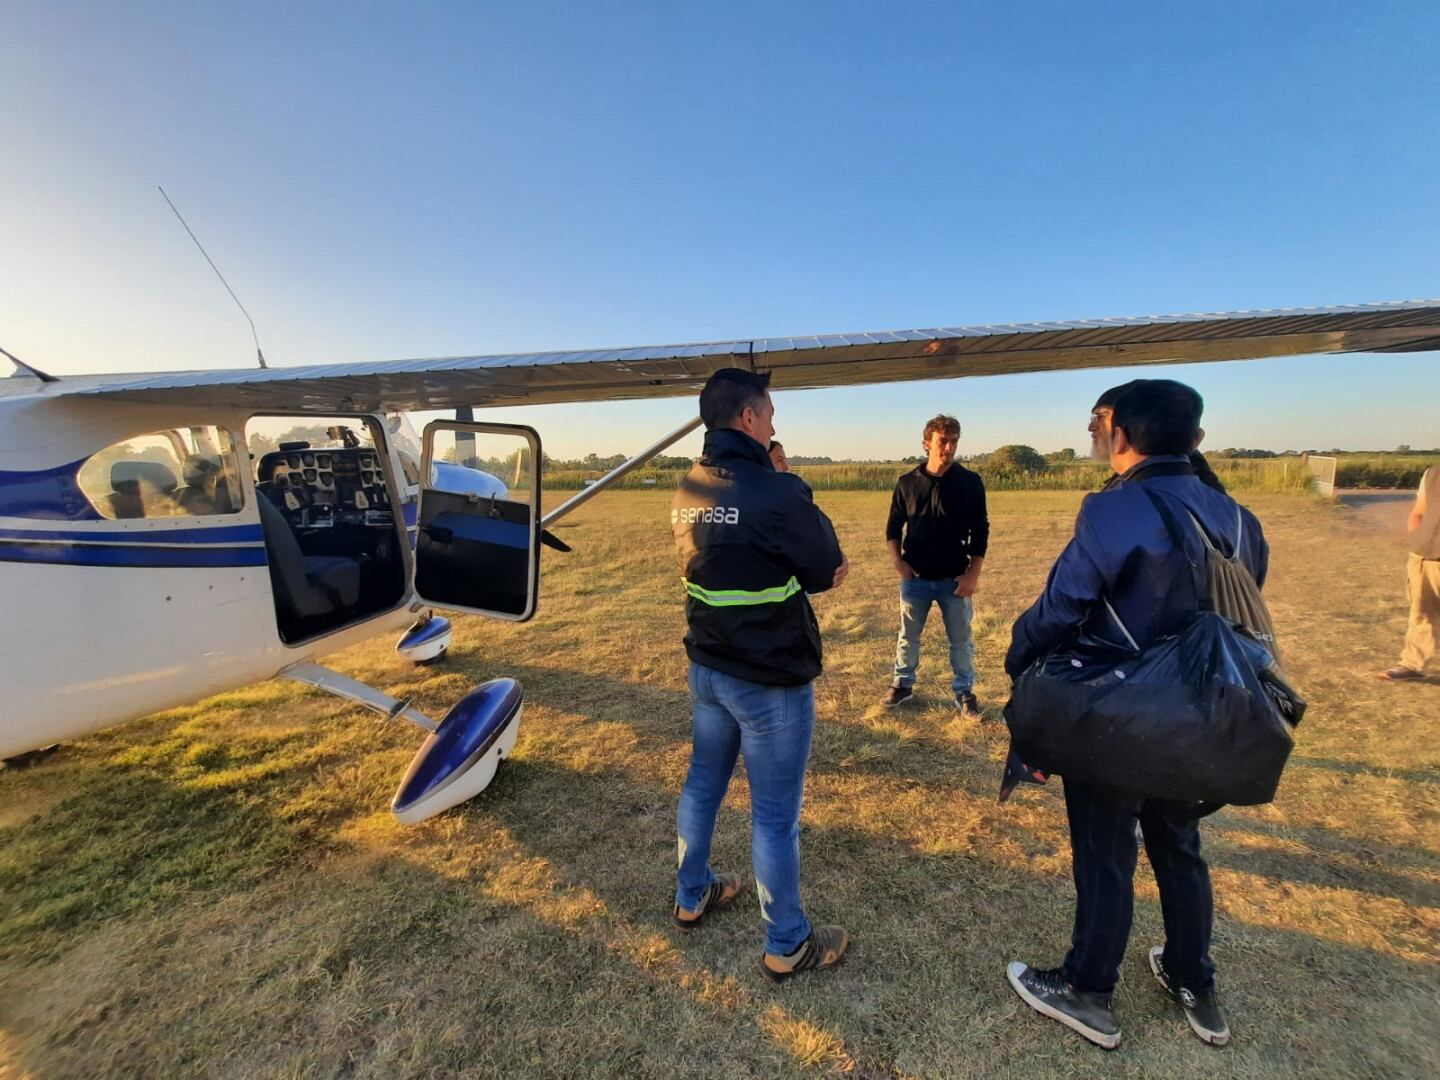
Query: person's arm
x,y
809,543
979,541
1075,585
968,582
904,569
1417,511
894,530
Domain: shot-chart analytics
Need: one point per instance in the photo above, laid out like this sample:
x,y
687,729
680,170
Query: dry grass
x,y
220,891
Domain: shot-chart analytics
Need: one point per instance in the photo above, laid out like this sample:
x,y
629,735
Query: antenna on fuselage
x,y
23,366
259,355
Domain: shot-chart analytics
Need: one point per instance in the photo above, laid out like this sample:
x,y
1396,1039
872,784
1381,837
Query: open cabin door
x,y
477,542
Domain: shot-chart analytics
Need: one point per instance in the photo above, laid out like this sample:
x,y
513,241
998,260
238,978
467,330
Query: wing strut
x,y
586,494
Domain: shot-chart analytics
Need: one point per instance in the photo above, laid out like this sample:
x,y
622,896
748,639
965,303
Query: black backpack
x,y
1205,715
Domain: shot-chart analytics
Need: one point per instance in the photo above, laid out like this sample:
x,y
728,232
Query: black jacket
x,y
943,519
752,543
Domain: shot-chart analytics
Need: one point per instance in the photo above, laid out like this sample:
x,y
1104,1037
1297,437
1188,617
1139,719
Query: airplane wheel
x,y
31,757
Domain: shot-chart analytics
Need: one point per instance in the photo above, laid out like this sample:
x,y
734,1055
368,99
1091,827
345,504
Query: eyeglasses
x,y
1099,416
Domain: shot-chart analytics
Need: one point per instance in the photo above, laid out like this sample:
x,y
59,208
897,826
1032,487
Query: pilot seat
x,y
312,592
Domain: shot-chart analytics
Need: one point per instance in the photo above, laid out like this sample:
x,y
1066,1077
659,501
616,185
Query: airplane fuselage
x,y
113,618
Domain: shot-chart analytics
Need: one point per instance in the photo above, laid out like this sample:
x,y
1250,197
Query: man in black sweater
x,y
937,534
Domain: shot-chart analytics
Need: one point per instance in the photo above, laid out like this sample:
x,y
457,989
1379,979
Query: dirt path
x,y
1383,511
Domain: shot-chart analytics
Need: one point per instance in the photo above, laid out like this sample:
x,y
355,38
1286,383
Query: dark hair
x,y
940,422
1160,416
1108,399
727,393
774,443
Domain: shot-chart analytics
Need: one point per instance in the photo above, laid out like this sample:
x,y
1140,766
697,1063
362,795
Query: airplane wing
x,y
795,362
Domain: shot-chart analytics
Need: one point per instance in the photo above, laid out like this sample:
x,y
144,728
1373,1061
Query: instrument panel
x,y
327,485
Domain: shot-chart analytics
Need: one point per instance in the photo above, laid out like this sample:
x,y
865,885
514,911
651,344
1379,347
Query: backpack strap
x,y
1199,577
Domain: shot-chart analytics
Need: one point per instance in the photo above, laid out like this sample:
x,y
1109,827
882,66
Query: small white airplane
x,y
151,561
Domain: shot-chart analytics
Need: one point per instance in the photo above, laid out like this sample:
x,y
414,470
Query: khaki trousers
x,y
1423,589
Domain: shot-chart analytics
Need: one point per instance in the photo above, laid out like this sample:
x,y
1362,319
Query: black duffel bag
x,y
1205,715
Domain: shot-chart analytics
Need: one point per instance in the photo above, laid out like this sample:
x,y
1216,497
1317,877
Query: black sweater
x,y
942,518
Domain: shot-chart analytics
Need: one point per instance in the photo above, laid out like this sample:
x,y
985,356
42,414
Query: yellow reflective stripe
x,y
741,597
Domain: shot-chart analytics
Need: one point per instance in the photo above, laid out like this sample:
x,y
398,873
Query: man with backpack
x,y
1102,415
1123,579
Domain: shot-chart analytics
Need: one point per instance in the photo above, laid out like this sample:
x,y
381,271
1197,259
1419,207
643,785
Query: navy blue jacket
x,y
1122,553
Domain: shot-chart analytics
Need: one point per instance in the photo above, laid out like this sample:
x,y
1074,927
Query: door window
x,y
477,547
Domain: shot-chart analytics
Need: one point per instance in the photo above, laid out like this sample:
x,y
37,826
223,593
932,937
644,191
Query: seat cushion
x,y
337,573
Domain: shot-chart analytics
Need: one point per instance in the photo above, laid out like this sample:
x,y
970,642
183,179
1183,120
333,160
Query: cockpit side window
x,y
407,445
180,472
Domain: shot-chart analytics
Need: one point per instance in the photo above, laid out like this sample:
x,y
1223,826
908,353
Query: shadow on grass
x,y
660,716
921,923
1361,768
400,963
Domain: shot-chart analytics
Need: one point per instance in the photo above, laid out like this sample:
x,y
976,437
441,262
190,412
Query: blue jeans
x,y
1102,840
916,596
772,726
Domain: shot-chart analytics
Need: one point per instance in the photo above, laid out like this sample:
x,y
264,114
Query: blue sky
x,y
395,180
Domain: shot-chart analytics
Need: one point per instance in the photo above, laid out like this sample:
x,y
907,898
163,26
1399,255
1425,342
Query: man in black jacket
x,y
752,544
938,532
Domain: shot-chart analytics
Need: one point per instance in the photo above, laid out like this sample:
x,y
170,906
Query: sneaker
x,y
897,695
1400,673
967,706
1049,994
1201,1008
825,947
721,894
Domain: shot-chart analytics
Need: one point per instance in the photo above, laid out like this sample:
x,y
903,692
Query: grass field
x,y
1250,475
221,891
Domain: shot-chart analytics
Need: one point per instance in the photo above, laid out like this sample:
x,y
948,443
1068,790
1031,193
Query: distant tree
x,y
314,434
1403,448
1017,458
1059,456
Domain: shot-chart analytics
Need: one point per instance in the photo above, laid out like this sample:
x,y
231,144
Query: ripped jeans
x,y
771,726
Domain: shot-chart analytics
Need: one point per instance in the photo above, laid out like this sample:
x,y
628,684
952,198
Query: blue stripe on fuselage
x,y
51,494
217,534
130,555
